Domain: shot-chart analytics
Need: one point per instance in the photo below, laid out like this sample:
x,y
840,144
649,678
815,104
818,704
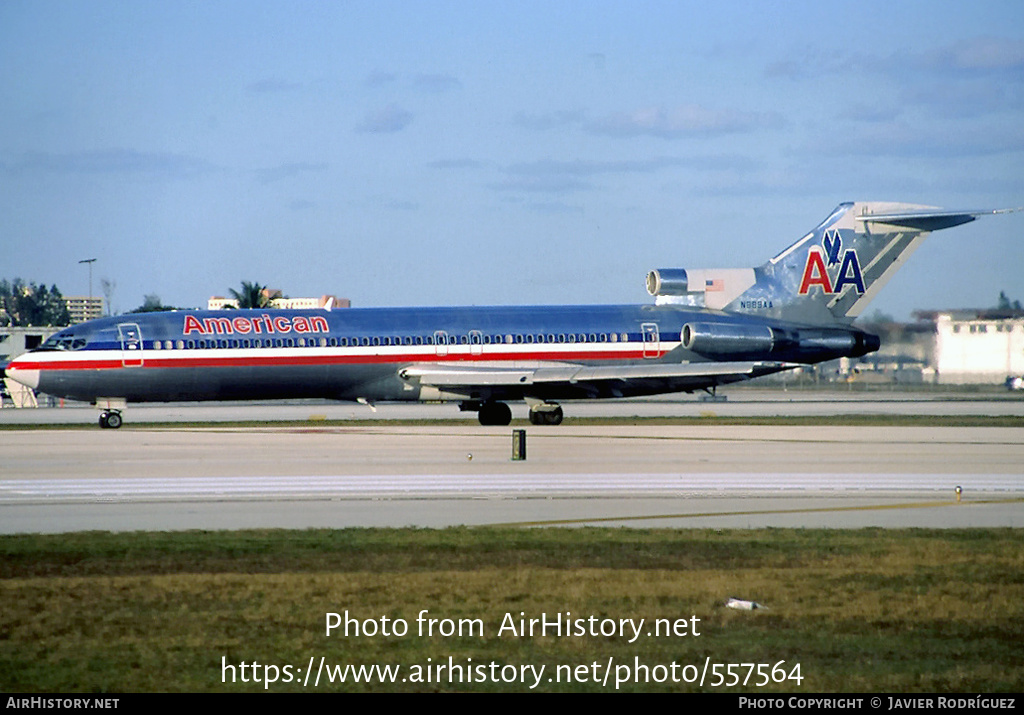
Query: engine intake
x,y
667,281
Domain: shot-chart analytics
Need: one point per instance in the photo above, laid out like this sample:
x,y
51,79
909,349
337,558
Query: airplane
x,y
705,328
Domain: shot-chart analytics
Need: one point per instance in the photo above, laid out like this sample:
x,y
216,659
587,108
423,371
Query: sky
x,y
484,153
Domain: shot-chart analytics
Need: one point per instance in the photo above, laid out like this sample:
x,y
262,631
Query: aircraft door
x,y
440,343
131,344
476,342
652,341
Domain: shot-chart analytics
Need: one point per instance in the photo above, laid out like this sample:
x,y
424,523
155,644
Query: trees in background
x,y
28,304
152,304
252,295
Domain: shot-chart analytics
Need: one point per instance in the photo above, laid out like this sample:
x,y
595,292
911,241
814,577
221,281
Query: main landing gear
x,y
546,414
498,414
110,419
494,414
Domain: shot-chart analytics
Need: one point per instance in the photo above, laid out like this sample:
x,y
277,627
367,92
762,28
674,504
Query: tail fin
x,y
826,277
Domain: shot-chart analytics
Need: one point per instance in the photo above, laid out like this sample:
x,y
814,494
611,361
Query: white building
x,y
83,308
978,346
277,301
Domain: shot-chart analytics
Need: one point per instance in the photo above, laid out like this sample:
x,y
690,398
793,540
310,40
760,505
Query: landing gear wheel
x,y
494,413
110,420
546,417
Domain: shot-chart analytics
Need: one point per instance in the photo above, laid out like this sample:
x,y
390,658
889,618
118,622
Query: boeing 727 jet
x,y
704,328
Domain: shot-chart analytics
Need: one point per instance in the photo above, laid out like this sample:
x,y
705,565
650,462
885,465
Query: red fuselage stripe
x,y
155,359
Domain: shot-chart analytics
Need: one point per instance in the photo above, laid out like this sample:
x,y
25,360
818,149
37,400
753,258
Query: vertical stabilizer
x,y
833,272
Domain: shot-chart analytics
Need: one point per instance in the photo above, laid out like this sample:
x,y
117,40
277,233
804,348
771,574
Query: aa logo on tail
x,y
816,274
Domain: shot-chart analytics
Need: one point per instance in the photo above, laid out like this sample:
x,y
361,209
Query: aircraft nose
x,y
21,374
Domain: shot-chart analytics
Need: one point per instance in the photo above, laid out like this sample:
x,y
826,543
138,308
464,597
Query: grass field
x,y
867,610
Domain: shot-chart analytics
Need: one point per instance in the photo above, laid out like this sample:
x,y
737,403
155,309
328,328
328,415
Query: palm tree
x,y
252,295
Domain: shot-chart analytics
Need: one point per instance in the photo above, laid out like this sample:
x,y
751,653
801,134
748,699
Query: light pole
x,y
90,261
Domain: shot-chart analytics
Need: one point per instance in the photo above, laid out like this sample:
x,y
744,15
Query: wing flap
x,y
523,378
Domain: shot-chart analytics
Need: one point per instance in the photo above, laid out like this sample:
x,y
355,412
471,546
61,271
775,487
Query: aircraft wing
x,y
571,381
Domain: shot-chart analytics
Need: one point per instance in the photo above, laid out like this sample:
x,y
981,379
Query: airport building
x,y
978,346
15,341
276,300
83,308
952,347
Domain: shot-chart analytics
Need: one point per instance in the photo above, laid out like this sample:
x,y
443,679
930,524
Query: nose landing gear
x,y
110,419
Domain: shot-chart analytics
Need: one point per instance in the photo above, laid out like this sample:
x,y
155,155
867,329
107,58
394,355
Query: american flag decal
x,y
711,286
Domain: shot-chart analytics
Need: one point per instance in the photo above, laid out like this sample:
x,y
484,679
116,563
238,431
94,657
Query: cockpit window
x,y
63,342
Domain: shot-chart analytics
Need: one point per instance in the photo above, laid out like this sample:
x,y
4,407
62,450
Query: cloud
x,y
436,83
979,54
680,121
553,184
965,98
562,177
273,85
388,120
457,164
550,120
423,82
902,139
287,171
554,208
665,123
380,78
582,167
111,161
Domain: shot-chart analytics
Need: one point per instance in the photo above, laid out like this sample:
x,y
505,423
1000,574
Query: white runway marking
x,y
469,486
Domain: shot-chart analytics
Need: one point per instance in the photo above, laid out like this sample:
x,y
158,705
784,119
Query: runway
x,y
432,476
735,402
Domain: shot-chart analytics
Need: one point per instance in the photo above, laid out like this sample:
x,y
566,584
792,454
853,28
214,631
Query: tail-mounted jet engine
x,y
731,340
722,339
701,287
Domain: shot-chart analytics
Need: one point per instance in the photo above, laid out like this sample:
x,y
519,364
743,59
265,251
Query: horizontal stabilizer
x,y
933,220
